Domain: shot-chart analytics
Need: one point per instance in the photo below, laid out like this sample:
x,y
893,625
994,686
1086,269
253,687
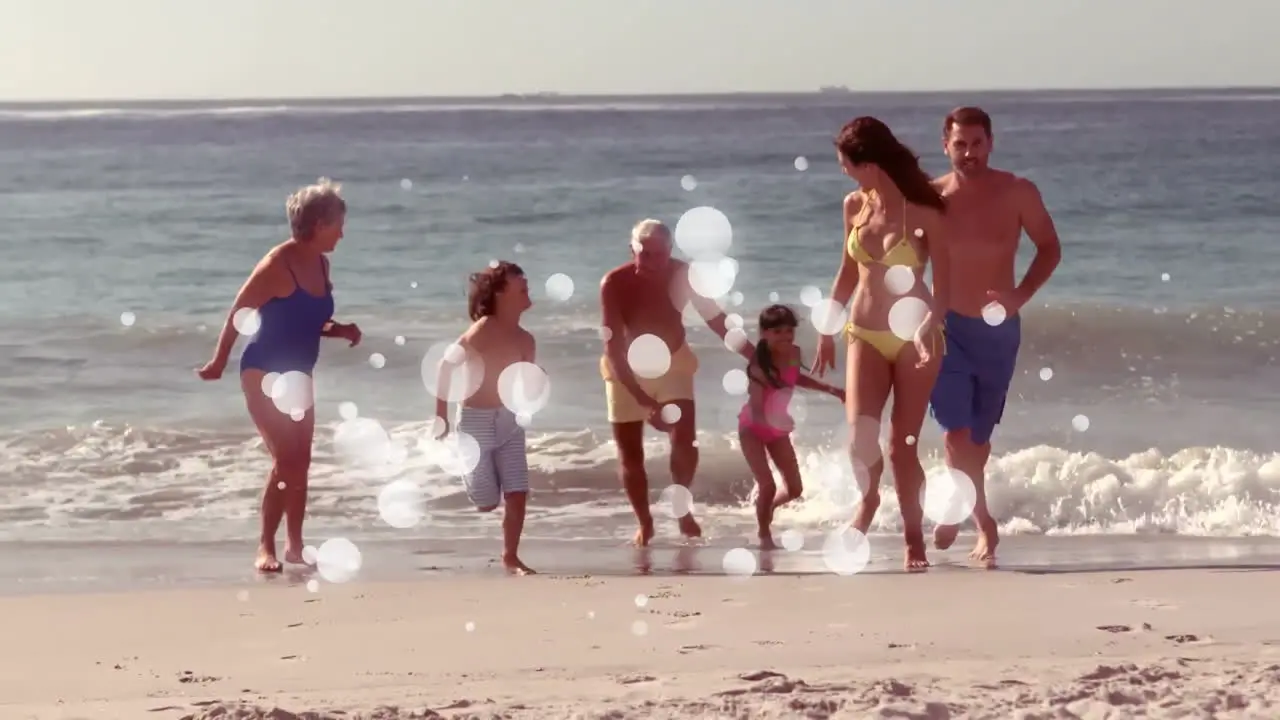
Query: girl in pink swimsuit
x,y
765,425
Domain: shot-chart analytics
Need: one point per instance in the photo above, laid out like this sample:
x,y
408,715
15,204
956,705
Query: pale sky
x,y
177,49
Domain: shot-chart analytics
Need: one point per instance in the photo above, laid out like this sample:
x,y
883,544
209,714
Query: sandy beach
x,y
954,643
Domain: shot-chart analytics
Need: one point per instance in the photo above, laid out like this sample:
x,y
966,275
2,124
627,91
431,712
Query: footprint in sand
x,y
634,679
1153,604
686,649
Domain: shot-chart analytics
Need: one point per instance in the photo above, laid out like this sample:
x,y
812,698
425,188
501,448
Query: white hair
x,y
313,205
646,229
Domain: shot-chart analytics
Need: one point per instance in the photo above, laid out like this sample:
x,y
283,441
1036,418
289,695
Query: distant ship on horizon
x,y
835,90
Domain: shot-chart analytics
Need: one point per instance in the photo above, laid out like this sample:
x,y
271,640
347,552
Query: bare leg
x,y
684,459
295,489
868,380
629,438
512,529
912,387
971,459
783,454
753,450
289,443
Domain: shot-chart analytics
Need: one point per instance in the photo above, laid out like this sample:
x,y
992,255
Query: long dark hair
x,y
868,140
774,316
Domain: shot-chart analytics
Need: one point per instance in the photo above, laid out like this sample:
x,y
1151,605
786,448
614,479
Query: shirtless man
x,y
987,212
498,297
645,296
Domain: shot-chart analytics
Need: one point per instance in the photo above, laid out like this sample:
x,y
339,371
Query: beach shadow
x,y
1119,568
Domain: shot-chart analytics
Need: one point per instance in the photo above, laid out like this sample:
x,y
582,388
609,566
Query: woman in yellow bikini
x,y
892,229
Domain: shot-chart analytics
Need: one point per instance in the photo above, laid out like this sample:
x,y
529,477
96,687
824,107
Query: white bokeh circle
x,y
293,393
792,540
461,370
247,321
906,316
810,295
457,453
739,562
703,232
736,382
846,551
828,317
1046,374
948,496
713,278
993,313
559,287
899,279
1080,423
364,444
649,357
338,560
524,388
676,501
401,504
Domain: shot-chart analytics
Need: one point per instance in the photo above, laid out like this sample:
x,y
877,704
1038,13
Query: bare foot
x,y
266,561
643,534
293,554
984,551
515,567
766,543
916,559
944,536
689,527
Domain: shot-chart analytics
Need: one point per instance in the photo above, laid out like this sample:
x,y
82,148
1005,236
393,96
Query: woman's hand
x,y
349,332
925,339
825,358
212,370
837,393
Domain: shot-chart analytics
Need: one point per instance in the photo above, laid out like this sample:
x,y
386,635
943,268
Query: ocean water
x,y
1158,334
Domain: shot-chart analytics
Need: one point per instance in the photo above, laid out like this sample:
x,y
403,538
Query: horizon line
x,y
824,91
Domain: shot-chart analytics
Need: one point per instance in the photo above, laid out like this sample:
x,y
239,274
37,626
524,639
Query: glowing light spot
x,y
736,298
377,361
676,500
802,163
348,410
293,393
919,232
309,554
457,453
400,340
994,313
689,182
828,317
736,340
736,382
649,357
639,628
949,496
469,627
906,316
559,287
911,440
810,296
774,297
591,614
524,388
406,184
734,320
1046,374
714,278
401,504
519,248
247,321
739,562
792,540
127,318
338,560
280,485
864,438
451,373
605,334
670,414
899,279
414,284
313,585
1080,423
269,384
363,443
846,551
642,600
704,232
1164,277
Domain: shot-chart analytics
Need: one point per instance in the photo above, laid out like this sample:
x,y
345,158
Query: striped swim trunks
x,y
503,466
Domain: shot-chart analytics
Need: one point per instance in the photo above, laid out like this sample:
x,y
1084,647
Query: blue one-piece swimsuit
x,y
288,337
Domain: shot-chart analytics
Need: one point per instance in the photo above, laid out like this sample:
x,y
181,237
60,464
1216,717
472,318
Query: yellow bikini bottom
x,y
886,342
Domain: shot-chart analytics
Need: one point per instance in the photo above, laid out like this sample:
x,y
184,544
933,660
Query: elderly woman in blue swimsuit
x,y
286,306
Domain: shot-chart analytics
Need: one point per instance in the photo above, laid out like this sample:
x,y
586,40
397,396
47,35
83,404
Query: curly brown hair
x,y
485,286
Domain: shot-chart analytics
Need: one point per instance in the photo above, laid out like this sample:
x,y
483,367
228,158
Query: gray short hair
x,y
646,229
313,205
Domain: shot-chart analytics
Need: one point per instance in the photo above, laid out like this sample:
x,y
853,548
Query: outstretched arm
x,y
809,383
712,315
256,291
1043,234
935,239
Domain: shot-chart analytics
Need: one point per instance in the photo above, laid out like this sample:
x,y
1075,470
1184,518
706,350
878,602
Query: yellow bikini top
x,y
902,253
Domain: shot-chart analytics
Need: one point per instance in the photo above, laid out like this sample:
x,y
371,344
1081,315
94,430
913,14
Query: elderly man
x,y
645,297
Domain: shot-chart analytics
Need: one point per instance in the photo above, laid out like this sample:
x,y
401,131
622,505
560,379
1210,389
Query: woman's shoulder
x,y
853,202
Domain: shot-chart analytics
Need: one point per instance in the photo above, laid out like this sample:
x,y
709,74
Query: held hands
x,y
926,341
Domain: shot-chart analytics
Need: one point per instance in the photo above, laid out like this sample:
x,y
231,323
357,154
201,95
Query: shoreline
x,y
1170,642
84,568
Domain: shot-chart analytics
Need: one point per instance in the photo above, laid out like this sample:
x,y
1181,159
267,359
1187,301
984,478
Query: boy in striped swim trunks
x,y
497,299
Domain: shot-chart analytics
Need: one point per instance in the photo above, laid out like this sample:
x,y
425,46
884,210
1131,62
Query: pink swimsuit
x,y
776,402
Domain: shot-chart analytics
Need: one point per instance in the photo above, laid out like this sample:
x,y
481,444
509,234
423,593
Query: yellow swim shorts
x,y
676,384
